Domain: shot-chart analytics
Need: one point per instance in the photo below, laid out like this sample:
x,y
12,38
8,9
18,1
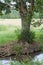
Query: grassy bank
x,y
8,33
38,33
26,62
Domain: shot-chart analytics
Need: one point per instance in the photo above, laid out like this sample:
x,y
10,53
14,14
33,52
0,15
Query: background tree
x,y
39,7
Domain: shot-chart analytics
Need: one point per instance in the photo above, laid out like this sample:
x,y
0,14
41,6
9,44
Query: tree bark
x,y
26,21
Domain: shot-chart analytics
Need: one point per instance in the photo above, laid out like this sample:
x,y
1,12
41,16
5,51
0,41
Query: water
x,y
38,58
4,62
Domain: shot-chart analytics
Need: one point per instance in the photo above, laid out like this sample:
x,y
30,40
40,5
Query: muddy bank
x,y
13,47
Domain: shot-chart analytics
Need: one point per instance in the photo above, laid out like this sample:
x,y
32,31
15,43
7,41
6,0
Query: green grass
x,y
23,63
39,36
8,33
11,33
26,62
38,33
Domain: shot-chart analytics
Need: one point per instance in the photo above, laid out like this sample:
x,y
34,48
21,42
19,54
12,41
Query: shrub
x,y
27,36
15,63
11,63
40,37
17,48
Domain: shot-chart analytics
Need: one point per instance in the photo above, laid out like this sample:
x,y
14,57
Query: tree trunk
x,y
26,21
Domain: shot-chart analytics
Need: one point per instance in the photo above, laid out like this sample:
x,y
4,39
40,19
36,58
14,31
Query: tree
x,y
39,7
25,8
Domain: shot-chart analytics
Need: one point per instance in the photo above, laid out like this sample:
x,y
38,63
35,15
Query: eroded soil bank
x,y
19,48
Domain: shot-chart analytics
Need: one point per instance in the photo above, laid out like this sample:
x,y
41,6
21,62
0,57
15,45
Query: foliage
x,y
17,48
14,14
27,36
38,33
36,15
41,37
36,24
37,63
11,63
39,7
27,62
15,63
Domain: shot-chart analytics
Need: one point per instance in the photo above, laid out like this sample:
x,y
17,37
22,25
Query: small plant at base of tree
x,y
27,36
18,49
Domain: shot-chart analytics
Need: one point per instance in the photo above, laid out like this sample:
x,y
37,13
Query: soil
x,y
27,48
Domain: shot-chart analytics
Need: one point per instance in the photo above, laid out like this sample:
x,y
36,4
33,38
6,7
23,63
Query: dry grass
x,y
14,22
